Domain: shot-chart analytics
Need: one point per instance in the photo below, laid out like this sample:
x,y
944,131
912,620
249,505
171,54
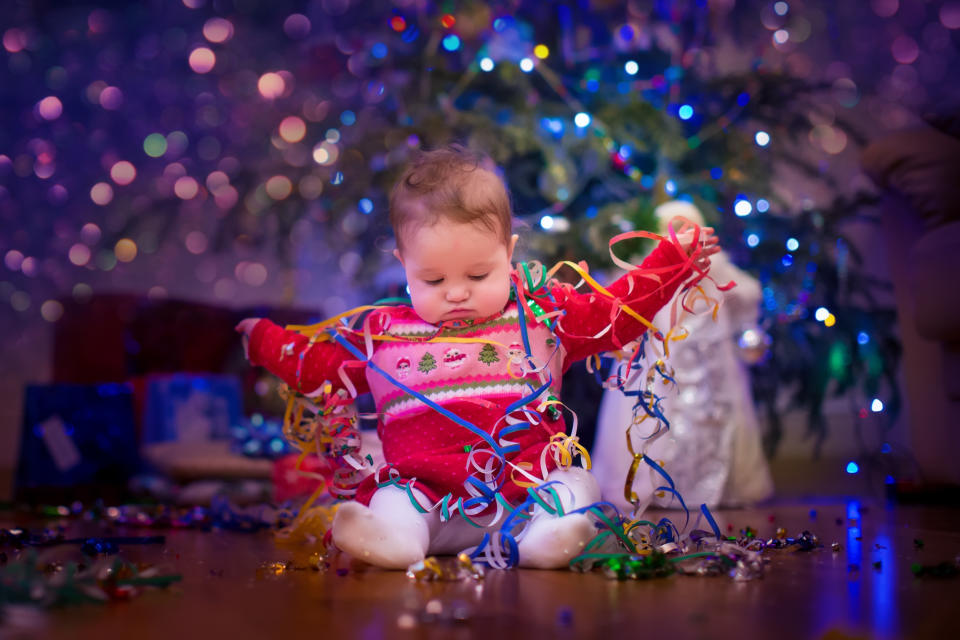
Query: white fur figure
x,y
712,450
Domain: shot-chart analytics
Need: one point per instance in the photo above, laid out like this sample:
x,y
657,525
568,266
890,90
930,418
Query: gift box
x,y
190,408
76,436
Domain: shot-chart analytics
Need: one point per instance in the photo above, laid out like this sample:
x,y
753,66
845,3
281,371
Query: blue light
x,y
863,338
787,260
716,173
379,50
591,212
885,448
631,67
626,32
762,205
753,240
852,467
624,152
337,178
500,24
685,112
792,244
670,187
743,99
410,34
348,117
593,85
365,205
451,42
889,480
546,222
647,181
487,64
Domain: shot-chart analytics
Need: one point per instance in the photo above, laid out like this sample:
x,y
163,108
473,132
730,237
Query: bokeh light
x,y
125,250
279,187
186,188
101,193
111,98
79,254
297,26
196,242
13,259
217,30
271,85
202,60
50,108
90,233
950,14
155,145
292,129
14,40
51,310
123,172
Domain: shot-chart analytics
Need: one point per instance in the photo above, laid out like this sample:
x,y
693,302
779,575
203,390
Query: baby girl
x,y
466,379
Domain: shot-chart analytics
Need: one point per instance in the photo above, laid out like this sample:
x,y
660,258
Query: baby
x,y
465,380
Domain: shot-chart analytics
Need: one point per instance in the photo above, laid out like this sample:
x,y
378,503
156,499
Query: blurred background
x,y
170,167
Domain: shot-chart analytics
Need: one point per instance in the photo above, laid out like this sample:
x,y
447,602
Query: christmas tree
x,y
222,129
427,363
488,354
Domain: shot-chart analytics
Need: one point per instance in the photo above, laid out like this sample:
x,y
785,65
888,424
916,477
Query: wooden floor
x,y
226,594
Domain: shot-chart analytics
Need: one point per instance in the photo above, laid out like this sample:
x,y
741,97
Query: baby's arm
x,y
290,356
587,314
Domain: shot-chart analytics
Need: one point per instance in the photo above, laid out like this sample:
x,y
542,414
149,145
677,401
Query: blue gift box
x,y
190,407
77,435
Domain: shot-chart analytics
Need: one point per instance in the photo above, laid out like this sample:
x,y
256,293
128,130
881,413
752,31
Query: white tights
x,y
391,533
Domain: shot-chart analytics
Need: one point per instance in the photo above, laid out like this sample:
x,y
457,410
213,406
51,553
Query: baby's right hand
x,y
245,327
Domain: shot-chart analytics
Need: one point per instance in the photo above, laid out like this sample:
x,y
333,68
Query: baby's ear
x,y
398,256
511,247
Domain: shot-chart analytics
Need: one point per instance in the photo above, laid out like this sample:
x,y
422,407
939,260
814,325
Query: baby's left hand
x,y
708,241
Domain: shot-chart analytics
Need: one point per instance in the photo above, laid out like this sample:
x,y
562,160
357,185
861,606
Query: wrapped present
x,y
190,408
76,435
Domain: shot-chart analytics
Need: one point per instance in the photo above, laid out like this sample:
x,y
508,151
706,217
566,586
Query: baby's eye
x,y
433,283
478,278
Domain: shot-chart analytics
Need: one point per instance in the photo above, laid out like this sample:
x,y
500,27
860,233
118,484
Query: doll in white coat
x,y
712,449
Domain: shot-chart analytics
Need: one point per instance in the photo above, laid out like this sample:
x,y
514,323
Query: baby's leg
x,y
390,533
550,542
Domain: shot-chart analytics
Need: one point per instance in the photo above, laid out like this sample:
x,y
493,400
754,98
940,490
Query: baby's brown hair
x,y
452,182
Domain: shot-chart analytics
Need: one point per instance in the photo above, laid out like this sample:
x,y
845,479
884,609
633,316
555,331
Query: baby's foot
x,y
551,542
371,538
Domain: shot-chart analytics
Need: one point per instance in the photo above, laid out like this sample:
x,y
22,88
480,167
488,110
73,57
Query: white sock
x,y
549,541
390,533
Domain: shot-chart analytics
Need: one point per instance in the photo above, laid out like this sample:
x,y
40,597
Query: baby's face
x,y
456,271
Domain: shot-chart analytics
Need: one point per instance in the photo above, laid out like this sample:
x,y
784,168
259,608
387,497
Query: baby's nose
x,y
457,294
